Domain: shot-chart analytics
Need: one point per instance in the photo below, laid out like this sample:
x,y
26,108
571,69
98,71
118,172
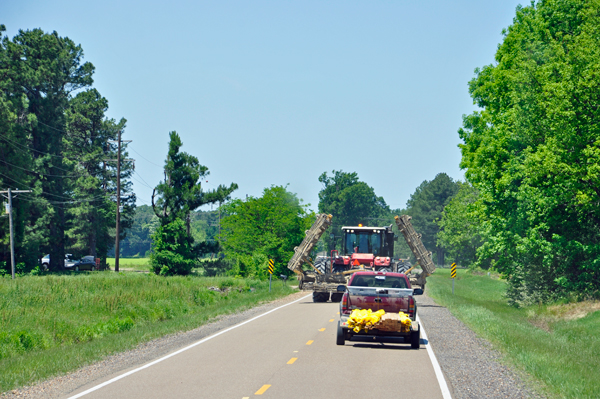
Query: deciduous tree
x,y
351,202
268,227
533,151
425,206
462,227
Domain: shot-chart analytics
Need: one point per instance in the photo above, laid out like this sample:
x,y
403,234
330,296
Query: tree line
x,y
58,143
529,207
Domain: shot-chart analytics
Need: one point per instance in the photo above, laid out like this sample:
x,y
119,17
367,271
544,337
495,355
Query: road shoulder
x,y
472,368
61,386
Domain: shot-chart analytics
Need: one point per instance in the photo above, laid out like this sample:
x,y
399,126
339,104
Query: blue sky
x,y
277,92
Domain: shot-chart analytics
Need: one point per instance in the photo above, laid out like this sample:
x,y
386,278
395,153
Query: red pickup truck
x,y
377,290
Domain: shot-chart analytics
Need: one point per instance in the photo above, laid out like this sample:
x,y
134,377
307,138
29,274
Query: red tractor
x,y
370,248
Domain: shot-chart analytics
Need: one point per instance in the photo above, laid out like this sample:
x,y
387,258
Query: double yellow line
x,y
264,388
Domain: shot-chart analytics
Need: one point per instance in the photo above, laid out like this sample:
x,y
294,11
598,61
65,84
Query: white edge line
x,y
181,350
436,365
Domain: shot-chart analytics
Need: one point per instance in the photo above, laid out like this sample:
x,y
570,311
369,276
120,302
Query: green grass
x,y
130,263
562,354
56,323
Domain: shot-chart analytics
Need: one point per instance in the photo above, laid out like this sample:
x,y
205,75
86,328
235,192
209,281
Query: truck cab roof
x,y
379,279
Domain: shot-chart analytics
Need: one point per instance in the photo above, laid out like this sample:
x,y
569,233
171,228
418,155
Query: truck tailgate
x,y
392,300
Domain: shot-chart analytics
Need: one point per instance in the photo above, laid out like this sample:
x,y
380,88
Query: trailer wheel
x,y
336,297
320,296
415,339
340,339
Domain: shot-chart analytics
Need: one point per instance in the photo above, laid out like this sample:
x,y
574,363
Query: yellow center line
x,y
295,351
322,329
338,312
292,360
310,342
246,397
262,390
330,320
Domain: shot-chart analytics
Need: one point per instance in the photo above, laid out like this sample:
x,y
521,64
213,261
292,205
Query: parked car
x,y
85,263
69,262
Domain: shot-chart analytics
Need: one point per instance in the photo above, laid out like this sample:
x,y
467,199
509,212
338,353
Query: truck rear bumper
x,y
377,333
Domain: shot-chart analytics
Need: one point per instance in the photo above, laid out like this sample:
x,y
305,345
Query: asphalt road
x,y
288,353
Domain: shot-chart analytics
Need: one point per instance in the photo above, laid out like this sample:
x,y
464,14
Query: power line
x,y
39,173
140,182
58,130
138,198
37,199
144,158
140,176
32,149
28,149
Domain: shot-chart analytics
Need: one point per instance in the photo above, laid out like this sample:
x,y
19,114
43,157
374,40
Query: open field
x,y
142,264
57,323
558,345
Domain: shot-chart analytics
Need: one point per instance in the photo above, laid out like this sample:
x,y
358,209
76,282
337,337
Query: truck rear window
x,y
379,281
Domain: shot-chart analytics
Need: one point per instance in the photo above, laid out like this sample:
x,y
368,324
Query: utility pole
x,y
219,220
10,222
119,141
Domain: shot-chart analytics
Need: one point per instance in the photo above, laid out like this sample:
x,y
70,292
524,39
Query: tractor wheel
x,y
415,339
404,266
384,269
340,339
336,297
338,269
321,265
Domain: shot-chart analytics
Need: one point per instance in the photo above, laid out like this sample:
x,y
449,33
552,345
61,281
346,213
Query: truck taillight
x,y
411,306
344,304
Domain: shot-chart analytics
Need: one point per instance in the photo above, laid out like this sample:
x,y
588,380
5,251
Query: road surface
x,y
288,353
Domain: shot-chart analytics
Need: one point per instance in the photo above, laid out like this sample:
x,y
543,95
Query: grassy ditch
x,y
56,323
557,344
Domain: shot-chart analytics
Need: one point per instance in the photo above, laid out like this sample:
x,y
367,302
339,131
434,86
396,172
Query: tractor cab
x,y
369,247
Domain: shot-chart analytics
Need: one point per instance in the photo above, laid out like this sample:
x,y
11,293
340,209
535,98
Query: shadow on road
x,y
379,343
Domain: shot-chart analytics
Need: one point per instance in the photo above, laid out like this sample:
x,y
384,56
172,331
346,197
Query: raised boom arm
x,y
311,238
413,239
